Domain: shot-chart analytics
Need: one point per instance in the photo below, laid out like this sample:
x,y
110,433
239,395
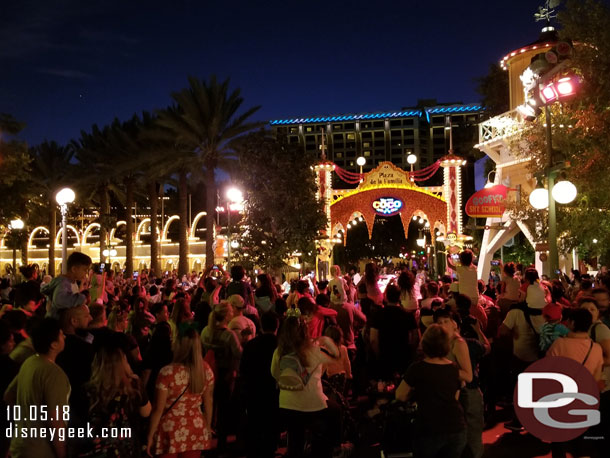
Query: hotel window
x,y
351,136
366,144
308,129
294,130
367,153
339,155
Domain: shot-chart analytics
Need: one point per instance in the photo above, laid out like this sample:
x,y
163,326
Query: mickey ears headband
x,y
293,312
186,326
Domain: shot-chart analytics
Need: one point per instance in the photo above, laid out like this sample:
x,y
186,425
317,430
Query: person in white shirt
x,y
336,286
243,327
467,276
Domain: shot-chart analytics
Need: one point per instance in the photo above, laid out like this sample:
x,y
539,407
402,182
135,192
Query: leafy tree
x,y
282,214
494,91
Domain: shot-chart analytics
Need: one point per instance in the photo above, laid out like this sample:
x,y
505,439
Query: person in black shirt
x,y
434,383
260,390
394,336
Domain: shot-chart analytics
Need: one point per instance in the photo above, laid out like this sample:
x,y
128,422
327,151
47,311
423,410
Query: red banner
x,y
488,202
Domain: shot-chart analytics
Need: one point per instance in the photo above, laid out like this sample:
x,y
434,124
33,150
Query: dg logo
x,y
557,399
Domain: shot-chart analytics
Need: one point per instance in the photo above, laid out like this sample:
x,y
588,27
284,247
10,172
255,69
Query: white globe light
x,y
234,244
113,252
564,192
421,242
415,218
17,224
65,196
361,161
105,252
411,159
539,198
235,195
427,224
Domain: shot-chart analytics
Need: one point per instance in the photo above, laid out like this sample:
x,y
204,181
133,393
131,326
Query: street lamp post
x,y
16,225
361,161
109,253
64,197
234,196
411,159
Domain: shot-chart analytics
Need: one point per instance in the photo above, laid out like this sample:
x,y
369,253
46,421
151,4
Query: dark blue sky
x,y
66,64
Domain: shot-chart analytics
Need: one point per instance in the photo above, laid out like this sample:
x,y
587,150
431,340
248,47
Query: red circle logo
x,y
557,399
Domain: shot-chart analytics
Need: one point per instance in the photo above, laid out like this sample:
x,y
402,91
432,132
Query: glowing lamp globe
x,y
411,159
539,198
65,196
234,244
421,242
17,224
564,192
361,161
235,195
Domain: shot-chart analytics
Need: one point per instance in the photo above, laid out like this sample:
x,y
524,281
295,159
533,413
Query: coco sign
x,y
488,202
387,206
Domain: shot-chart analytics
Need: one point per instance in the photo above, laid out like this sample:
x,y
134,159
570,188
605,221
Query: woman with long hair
x,y
265,294
115,401
178,428
304,407
224,346
181,312
371,275
406,283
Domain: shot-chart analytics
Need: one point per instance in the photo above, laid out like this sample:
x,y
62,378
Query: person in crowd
x,y
114,401
160,312
305,408
351,294
339,371
266,293
337,287
406,283
24,349
77,356
349,318
178,427
523,323
434,384
467,276
5,291
60,291
317,314
431,294
369,281
510,292
602,297
223,344
97,283
41,382
394,336
118,319
8,371
157,355
169,290
260,390
243,327
240,286
552,329
27,293
181,312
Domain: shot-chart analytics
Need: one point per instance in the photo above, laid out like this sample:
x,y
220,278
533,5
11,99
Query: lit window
x,y
367,153
351,136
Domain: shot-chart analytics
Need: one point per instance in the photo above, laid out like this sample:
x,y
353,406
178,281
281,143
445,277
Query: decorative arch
x,y
195,222
88,231
170,220
73,229
416,201
113,231
34,232
336,228
141,227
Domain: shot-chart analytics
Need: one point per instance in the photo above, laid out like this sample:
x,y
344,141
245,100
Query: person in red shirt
x,y
316,314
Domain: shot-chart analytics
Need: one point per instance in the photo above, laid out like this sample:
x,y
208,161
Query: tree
x,y
494,91
51,170
282,214
205,120
581,132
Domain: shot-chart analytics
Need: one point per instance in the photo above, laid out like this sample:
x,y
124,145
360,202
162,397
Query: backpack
x,y
293,375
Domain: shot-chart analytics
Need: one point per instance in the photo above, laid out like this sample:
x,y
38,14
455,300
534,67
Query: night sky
x,y
66,64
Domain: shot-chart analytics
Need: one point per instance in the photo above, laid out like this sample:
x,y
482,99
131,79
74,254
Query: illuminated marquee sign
x,y
387,206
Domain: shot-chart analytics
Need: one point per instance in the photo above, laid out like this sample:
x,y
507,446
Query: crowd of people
x,y
218,362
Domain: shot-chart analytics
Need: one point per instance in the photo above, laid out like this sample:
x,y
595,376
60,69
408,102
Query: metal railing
x,y
500,126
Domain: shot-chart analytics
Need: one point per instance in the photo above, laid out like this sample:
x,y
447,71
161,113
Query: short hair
x,y
158,308
153,291
302,286
393,294
442,313
510,269
322,284
44,334
78,259
306,305
466,257
531,275
96,311
269,321
432,288
435,342
237,272
582,320
436,303
335,333
322,299
280,306
462,302
586,298
586,283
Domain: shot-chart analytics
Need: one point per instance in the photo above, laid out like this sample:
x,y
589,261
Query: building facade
x,y
386,136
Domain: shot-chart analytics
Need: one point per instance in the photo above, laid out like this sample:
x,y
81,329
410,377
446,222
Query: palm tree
x,y
51,169
204,120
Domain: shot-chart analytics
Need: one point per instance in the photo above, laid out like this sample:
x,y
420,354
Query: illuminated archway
x,y
34,232
141,228
73,229
88,231
114,229
194,225
166,228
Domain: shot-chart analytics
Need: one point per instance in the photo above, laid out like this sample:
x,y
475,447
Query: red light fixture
x,y
564,87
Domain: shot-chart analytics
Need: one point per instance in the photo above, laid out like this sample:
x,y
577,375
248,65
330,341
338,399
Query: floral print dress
x,y
183,428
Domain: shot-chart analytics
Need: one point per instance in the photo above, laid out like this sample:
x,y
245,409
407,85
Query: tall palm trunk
x,y
210,208
154,244
104,213
183,266
129,226
52,235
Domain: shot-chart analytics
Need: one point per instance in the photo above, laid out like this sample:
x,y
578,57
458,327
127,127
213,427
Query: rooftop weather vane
x,y
547,12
